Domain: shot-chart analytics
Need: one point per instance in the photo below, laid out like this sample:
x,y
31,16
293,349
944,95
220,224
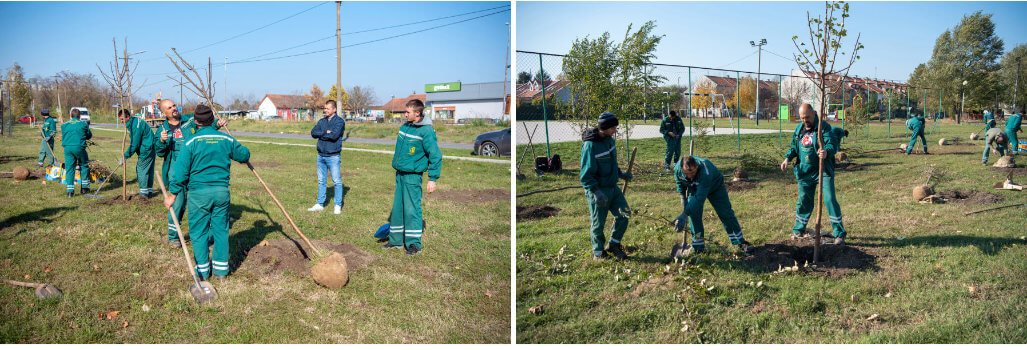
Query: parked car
x,y
83,114
493,143
26,119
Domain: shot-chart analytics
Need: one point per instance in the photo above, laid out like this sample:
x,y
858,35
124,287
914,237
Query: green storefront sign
x,y
441,87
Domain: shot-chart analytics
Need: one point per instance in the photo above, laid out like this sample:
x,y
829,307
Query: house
x,y
798,88
397,107
724,93
532,90
288,107
461,102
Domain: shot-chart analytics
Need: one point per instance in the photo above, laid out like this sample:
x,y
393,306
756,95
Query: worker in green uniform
x,y
142,144
989,120
48,132
203,167
1012,127
672,127
417,151
171,137
836,136
698,180
916,129
808,154
74,134
997,137
599,175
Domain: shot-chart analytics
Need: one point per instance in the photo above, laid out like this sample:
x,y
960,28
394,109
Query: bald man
x,y
807,152
170,138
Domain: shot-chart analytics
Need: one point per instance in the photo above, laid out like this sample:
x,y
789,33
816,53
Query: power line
x,y
738,60
424,21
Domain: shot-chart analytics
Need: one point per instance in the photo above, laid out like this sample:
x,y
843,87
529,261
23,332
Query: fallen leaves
x,y
973,290
96,267
263,243
873,317
124,324
146,308
28,277
854,298
47,269
889,295
112,315
488,293
535,310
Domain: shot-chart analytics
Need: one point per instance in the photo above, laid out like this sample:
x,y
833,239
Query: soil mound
x,y
921,192
331,271
1005,162
971,197
733,186
740,175
536,212
467,196
836,260
280,255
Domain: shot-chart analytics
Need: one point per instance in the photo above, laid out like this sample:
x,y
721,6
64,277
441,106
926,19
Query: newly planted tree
x,y
119,77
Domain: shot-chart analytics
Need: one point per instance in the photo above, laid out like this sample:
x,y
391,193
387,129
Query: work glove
x,y
127,154
599,198
121,161
681,222
626,176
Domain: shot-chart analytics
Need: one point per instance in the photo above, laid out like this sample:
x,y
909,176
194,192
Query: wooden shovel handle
x,y
23,284
178,228
631,164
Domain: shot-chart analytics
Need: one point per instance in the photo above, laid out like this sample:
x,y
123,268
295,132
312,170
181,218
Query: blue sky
x,y
897,35
47,37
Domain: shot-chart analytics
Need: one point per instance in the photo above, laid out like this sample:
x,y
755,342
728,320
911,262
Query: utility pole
x,y
225,105
338,55
758,55
962,105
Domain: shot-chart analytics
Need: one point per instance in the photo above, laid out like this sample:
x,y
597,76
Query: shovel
x,y
43,291
202,291
94,196
679,248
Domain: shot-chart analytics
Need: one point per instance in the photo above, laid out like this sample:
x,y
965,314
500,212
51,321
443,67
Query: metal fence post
x,y
779,80
689,109
738,109
889,113
545,116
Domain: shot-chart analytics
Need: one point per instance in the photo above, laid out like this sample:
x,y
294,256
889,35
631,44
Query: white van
x,y
83,114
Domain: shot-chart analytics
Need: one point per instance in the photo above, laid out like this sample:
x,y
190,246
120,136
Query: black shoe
x,y
600,256
746,249
383,240
84,190
391,246
175,244
617,251
839,241
413,250
925,152
71,194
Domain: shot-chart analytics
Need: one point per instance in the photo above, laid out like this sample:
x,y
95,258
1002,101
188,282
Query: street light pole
x,y
758,56
1016,89
962,105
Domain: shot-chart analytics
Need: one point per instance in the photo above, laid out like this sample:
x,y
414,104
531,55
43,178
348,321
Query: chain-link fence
x,y
559,96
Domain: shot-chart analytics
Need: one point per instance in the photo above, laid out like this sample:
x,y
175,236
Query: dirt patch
x,y
971,197
733,186
837,260
1016,171
280,255
653,283
466,196
849,167
266,164
536,212
135,199
103,138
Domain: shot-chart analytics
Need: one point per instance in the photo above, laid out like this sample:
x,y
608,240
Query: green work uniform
x,y
708,184
46,145
599,175
142,144
836,137
203,167
1012,127
916,128
989,138
177,137
806,170
74,134
989,121
417,151
676,126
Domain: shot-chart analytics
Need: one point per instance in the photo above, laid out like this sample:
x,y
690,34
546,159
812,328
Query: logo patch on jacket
x,y
807,140
412,149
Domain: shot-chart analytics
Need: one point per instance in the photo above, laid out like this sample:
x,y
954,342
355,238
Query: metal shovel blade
x,y
678,251
47,291
203,292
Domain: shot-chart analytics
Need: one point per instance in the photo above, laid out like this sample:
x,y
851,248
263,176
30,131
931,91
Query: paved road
x,y
307,137
565,131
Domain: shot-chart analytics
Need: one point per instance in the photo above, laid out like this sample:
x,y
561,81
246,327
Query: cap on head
x,y
607,120
46,111
203,115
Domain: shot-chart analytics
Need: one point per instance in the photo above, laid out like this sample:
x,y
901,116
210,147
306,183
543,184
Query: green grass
x,y
926,256
455,291
445,133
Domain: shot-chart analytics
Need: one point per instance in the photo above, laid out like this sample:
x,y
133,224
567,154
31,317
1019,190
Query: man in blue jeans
x,y
328,133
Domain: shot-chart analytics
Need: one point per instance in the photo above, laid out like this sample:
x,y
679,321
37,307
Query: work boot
x,y
383,240
796,235
413,250
175,244
219,278
600,256
839,241
692,251
391,246
617,251
666,166
746,249
84,190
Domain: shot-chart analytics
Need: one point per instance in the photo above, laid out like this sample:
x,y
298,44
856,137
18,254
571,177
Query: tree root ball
x,y
331,271
1004,162
921,192
903,147
974,136
841,156
942,142
740,174
21,173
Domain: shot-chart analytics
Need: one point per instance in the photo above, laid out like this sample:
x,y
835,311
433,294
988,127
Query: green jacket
x,y
915,124
1013,123
205,160
74,133
675,126
836,137
417,150
599,168
707,179
989,119
804,149
49,127
991,135
141,135
176,140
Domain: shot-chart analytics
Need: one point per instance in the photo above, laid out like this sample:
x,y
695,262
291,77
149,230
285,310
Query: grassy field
x,y
114,259
924,258
368,130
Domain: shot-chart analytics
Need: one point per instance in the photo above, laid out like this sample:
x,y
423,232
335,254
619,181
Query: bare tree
x,y
119,77
361,98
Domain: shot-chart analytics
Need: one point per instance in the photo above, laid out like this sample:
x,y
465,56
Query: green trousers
x,y
805,205
178,206
1014,143
75,155
912,141
406,224
617,205
722,205
208,221
144,173
987,149
673,150
46,149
